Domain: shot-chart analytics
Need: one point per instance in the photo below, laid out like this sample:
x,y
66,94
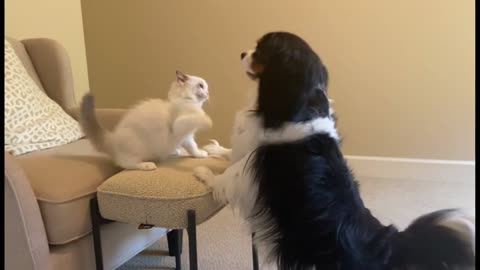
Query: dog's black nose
x,y
242,55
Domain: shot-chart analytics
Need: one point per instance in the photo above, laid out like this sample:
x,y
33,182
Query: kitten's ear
x,y
181,77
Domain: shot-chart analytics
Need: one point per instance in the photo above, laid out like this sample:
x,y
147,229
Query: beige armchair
x,y
47,193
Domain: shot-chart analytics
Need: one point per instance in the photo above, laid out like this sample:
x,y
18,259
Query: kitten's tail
x,y
92,129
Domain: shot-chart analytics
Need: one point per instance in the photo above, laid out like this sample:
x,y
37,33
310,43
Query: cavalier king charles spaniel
x,y
290,182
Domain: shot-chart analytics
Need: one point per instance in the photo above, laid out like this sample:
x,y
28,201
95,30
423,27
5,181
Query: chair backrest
x,y
27,63
48,64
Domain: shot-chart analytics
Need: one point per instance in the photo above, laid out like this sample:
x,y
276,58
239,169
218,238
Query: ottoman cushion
x,y
160,197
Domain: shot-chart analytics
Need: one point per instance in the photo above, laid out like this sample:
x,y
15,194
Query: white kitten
x,y
154,129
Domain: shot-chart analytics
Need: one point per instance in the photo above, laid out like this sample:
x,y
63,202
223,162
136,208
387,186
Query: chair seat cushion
x,y
160,197
64,180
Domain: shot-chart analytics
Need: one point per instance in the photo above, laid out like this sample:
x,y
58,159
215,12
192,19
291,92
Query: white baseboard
x,y
415,169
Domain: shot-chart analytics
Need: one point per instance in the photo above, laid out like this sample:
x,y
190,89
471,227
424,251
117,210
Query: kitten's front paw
x,y
203,174
147,166
215,149
200,154
181,152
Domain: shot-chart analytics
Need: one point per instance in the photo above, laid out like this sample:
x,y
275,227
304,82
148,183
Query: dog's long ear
x,y
292,88
181,77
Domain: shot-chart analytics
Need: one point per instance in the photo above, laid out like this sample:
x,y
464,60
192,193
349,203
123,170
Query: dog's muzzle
x,y
246,59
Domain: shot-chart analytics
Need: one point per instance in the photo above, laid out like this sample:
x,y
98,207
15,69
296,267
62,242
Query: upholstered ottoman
x,y
168,197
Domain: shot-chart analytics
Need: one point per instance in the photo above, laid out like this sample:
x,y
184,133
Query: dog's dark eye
x,y
201,86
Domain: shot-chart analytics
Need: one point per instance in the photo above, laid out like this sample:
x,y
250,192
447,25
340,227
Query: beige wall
x,y
57,19
402,71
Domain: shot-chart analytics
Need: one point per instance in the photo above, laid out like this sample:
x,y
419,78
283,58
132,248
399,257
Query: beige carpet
x,y
223,242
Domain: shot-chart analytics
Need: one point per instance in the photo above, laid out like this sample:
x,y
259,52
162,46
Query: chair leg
x,y
192,239
97,241
175,240
254,254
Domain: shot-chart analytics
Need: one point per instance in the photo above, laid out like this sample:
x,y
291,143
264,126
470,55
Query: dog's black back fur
x,y
308,200
316,215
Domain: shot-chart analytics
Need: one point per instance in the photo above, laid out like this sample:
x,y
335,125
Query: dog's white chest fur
x,y
245,134
248,133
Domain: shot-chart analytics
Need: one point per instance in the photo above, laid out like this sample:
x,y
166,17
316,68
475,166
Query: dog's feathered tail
x,y
97,135
443,239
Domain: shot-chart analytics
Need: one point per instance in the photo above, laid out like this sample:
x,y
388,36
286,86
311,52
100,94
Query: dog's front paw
x,y
203,174
200,154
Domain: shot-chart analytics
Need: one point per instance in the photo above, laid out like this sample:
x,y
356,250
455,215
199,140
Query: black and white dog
x,y
290,181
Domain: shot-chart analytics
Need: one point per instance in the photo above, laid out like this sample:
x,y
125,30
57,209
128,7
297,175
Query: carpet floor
x,y
224,243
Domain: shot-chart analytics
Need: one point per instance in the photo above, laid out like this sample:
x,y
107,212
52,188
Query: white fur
x,y
155,129
214,149
294,131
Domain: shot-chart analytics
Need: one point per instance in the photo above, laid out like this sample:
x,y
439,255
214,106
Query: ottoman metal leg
x,y
97,220
97,241
175,240
254,254
192,239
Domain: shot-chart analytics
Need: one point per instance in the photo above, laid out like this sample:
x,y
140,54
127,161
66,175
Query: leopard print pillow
x,y
32,120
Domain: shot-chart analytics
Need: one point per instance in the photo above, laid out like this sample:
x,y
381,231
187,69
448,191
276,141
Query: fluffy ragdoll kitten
x,y
154,129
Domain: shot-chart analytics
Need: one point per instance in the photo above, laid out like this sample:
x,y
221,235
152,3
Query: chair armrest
x,y
25,236
108,118
53,67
